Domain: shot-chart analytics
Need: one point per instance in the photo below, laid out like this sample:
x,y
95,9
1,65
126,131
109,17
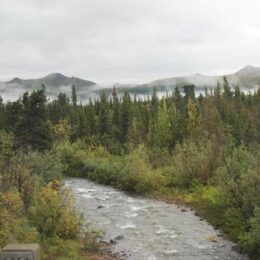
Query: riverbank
x,y
186,178
89,246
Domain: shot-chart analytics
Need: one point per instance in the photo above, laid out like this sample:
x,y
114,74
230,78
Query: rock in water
x,y
120,237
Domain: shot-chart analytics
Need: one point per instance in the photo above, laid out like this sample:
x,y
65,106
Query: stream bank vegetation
x,y
202,151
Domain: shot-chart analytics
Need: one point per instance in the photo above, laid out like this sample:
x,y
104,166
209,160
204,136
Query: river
x,y
146,229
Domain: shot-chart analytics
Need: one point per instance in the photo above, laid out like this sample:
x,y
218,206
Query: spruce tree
x,y
193,116
227,89
91,119
103,116
116,118
33,129
74,96
189,92
162,127
125,117
12,114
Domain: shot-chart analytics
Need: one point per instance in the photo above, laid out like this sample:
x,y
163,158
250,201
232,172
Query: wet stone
x,y
120,237
112,242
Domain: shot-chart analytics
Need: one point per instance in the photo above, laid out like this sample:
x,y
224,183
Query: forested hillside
x,y
203,151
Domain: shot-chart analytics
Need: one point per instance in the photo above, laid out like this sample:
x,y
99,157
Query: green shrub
x,y
54,214
7,143
60,249
13,224
191,163
46,165
138,174
251,240
73,158
239,179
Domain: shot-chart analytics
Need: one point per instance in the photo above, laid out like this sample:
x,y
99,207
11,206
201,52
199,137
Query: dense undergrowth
x,y
35,208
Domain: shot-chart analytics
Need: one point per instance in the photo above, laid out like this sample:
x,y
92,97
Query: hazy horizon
x,y
134,82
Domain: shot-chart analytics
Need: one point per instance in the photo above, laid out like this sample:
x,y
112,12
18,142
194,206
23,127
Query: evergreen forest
x,y
201,151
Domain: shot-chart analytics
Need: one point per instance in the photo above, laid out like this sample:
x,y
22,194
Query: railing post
x,y
20,252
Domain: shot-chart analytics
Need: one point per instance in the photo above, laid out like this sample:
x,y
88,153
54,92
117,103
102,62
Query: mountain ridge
x,y
52,80
58,79
247,78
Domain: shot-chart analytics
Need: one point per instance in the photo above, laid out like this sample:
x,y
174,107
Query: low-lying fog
x,y
13,92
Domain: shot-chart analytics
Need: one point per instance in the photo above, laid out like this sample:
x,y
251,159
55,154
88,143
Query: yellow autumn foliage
x,y
54,214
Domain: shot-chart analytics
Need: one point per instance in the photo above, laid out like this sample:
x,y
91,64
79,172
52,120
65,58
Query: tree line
x,y
122,122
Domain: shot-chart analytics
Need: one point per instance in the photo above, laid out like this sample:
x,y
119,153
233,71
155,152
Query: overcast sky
x,y
127,40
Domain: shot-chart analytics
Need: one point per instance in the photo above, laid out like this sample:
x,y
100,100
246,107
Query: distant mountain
x,y
248,78
53,80
55,83
248,71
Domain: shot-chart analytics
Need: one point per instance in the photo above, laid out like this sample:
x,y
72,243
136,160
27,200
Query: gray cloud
x,y
127,41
